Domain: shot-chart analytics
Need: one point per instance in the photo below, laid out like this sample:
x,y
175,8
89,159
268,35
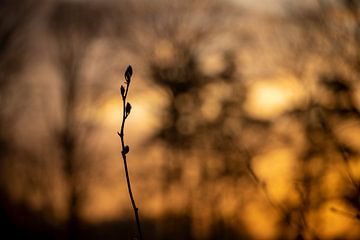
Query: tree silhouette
x,y
74,31
330,104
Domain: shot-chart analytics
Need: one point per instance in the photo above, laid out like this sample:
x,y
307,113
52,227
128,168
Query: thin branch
x,y
346,213
125,148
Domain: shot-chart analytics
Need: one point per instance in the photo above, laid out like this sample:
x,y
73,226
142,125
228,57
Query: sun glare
x,y
269,98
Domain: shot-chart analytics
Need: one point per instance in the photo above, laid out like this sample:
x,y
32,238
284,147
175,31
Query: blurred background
x,y
245,120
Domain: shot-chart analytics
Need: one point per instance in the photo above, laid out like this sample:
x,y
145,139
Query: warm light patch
x,y
333,220
277,169
145,114
333,181
268,99
212,97
355,167
349,132
212,64
259,218
164,51
154,205
357,97
111,112
144,117
104,205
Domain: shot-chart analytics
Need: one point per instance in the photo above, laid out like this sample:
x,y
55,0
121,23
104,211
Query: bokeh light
x,y
245,119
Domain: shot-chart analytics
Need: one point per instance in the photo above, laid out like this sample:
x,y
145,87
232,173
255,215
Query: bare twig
x,y
346,213
125,148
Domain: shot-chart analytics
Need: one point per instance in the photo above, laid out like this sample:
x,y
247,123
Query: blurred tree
x,y
74,29
204,117
17,21
14,25
328,39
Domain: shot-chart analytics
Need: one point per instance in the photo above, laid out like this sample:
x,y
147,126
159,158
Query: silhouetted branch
x,y
345,213
125,148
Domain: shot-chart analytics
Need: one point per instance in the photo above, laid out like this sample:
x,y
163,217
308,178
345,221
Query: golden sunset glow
x,y
270,98
182,119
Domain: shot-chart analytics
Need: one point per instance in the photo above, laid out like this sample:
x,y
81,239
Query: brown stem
x,y
124,151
